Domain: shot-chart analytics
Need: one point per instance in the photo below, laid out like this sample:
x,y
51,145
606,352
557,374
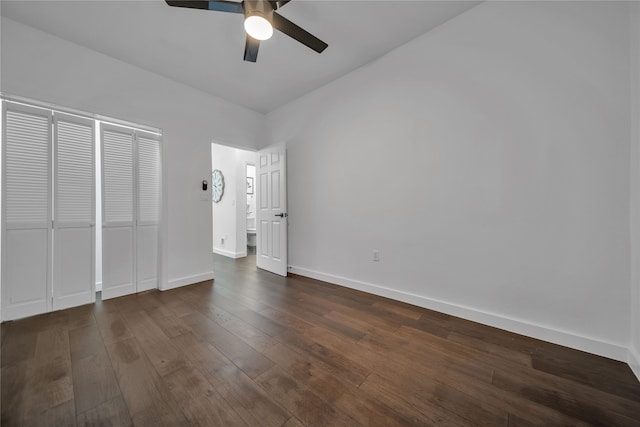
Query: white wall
x,y
224,212
488,161
39,66
634,354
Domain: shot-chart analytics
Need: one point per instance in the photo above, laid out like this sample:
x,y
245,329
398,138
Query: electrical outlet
x,y
222,241
376,255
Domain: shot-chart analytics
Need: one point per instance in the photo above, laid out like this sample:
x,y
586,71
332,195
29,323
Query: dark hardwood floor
x,y
254,349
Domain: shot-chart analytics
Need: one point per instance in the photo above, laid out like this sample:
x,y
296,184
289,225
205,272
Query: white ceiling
x,y
204,49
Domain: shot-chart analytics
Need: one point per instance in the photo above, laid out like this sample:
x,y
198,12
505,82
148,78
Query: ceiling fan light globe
x,y
258,27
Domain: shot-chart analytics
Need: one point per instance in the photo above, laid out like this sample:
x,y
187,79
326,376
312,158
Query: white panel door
x,y
118,234
148,207
26,278
74,212
271,230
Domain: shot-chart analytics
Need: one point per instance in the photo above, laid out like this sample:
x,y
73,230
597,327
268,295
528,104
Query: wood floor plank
x,y
351,371
292,323
310,408
580,402
112,327
79,317
113,412
370,411
49,381
244,356
293,422
85,341
579,366
492,349
379,388
94,381
251,403
199,400
172,326
156,345
56,416
20,342
147,397
307,369
13,382
248,399
248,333
307,316
402,309
439,373
171,300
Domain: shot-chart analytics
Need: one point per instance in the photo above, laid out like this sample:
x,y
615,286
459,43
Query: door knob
x,y
282,215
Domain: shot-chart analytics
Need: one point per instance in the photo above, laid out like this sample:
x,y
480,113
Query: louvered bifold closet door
x,y
149,190
74,211
118,232
26,266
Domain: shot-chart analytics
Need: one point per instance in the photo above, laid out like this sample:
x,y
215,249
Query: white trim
x,y
633,359
189,280
117,291
146,285
240,254
545,333
79,113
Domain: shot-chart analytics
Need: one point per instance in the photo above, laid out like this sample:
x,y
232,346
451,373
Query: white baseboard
x,y
189,280
98,286
230,254
601,348
633,359
147,285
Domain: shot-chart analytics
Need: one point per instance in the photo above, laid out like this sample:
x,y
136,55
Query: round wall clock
x,y
217,185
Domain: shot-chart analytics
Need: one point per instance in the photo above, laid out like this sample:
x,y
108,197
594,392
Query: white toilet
x,y
251,232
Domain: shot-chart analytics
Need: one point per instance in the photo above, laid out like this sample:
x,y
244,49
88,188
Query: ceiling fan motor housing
x,y
259,8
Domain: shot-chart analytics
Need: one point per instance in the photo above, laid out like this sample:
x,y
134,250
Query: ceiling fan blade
x,y
251,49
292,30
217,5
277,4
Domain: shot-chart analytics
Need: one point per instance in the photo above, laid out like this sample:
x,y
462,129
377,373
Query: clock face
x,y
217,185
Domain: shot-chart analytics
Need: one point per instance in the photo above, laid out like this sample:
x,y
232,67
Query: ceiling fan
x,y
260,18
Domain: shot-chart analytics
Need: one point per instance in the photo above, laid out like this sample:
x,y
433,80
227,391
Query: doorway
x,y
250,174
232,208
232,213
